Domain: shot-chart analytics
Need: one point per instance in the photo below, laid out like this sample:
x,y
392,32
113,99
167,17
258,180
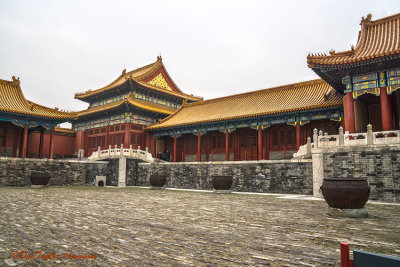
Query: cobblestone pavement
x,y
140,227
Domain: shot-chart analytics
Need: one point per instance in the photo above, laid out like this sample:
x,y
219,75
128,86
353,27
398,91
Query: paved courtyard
x,y
140,227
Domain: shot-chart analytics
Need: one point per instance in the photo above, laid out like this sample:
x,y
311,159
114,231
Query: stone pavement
x,y
141,227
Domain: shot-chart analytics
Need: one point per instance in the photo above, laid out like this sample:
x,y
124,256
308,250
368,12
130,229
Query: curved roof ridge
x,y
382,20
260,91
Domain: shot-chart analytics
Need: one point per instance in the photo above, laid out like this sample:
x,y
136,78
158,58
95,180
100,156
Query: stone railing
x,y
345,139
122,152
357,139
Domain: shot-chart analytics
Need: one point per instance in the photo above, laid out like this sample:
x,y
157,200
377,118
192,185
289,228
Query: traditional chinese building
x,y
368,75
23,125
119,112
265,124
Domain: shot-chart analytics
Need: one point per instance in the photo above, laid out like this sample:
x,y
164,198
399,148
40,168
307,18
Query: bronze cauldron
x,y
39,178
345,193
222,182
157,180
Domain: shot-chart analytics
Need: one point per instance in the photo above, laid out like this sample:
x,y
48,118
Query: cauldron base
x,y
222,191
38,186
351,213
157,187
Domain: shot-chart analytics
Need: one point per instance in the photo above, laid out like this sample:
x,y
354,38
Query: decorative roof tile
x,y
307,95
376,39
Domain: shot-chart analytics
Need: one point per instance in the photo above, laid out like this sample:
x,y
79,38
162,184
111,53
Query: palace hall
x,y
145,108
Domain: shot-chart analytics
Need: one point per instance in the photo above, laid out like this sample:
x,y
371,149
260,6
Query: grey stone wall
x,y
379,164
216,157
283,176
16,171
132,172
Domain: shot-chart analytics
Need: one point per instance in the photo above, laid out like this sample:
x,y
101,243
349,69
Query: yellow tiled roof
x,y
138,75
12,100
293,97
377,39
145,105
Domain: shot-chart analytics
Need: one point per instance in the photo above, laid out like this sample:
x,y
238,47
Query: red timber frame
x,y
260,143
125,134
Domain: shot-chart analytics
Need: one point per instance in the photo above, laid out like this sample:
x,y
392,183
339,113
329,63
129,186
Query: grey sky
x,y
210,48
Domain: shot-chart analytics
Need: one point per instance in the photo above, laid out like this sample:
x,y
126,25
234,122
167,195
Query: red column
x,y
298,135
107,134
227,145
199,147
259,143
386,111
348,107
85,143
25,141
175,148
51,147
127,140
16,137
41,144
266,146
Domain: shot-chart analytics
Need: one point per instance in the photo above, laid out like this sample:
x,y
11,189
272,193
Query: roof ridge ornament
x,y
365,22
332,52
15,80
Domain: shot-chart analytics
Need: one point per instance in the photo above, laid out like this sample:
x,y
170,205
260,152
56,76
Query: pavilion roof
x,y
13,101
141,75
376,39
309,95
141,104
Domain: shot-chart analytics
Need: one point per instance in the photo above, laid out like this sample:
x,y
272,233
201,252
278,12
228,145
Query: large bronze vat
x,y
157,180
221,182
345,193
39,178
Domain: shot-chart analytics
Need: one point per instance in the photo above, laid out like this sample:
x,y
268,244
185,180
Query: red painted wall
x,y
63,145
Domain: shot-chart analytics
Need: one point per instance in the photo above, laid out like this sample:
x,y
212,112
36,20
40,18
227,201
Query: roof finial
x,y
159,58
123,71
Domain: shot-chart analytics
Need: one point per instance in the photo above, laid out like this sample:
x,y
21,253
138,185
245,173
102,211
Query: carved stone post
x,y
315,137
341,136
308,154
370,139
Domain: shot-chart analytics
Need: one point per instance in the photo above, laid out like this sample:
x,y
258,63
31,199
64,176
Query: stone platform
x,y
142,227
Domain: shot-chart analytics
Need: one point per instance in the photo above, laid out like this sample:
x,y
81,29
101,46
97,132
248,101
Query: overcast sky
x,y
210,48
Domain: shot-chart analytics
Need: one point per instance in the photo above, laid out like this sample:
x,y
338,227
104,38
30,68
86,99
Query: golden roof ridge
x,y
308,95
260,91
